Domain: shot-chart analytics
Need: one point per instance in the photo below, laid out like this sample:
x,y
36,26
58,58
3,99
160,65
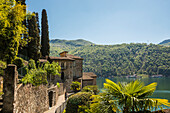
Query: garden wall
x,y
19,98
31,99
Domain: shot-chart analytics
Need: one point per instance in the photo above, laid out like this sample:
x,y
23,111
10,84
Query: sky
x,y
106,21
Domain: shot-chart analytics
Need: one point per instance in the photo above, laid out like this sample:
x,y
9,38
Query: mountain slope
x,y
78,42
57,45
165,42
122,59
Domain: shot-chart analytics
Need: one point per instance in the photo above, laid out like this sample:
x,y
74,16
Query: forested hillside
x,y
123,59
57,45
165,42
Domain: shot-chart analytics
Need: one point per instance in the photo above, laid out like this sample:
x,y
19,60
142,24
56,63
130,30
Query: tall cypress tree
x,y
34,45
45,47
37,19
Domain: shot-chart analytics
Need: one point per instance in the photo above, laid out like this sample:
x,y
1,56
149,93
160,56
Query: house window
x,y
70,65
74,63
62,75
62,65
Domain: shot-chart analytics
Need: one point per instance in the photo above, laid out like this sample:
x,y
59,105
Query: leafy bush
x,y
91,88
2,67
75,86
52,69
58,85
31,64
23,71
35,77
76,100
18,62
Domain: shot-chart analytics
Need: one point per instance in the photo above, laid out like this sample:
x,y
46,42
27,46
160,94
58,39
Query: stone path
x,y
61,99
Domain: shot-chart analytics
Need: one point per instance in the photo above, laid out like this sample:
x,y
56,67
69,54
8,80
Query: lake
x,y
162,90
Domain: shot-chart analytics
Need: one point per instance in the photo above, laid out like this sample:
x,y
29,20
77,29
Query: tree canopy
x,y
121,59
12,15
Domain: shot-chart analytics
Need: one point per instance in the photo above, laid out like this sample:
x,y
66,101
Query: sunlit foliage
x,y
12,15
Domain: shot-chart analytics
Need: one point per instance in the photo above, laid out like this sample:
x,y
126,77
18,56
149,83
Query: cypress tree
x,y
34,45
45,47
37,19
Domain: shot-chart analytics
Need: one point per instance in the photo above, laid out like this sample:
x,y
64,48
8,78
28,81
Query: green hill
x,y
57,45
165,42
122,59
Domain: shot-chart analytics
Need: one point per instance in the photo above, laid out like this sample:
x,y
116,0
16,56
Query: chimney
x,y
63,54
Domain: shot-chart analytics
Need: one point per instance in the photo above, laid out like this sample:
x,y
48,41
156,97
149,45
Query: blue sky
x,y
106,21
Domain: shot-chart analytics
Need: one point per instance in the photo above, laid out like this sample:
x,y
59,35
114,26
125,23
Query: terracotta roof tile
x,y
91,74
88,76
74,57
61,58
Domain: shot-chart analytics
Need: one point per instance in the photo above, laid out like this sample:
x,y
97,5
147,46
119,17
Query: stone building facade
x,y
77,64
71,68
88,78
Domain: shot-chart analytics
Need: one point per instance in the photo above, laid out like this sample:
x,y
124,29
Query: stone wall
x,y
19,98
9,86
87,82
61,89
78,68
31,99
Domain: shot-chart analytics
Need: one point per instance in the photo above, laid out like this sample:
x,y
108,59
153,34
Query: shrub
x,y
52,69
2,67
77,100
75,86
18,62
23,71
31,64
58,85
35,77
91,88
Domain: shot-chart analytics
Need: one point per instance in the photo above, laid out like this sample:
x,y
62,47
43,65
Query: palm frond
x,y
147,90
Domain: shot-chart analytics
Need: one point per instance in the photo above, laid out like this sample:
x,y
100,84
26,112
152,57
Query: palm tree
x,y
134,96
103,103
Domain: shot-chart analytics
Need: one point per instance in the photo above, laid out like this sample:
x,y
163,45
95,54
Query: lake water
x,y
162,90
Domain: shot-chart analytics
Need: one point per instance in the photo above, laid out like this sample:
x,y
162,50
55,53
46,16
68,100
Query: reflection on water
x,y
162,90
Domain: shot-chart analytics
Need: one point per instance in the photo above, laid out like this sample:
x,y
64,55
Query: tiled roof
x,y
61,58
74,57
88,76
91,74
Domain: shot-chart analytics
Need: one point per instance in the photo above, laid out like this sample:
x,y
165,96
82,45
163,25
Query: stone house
x,y
71,68
88,78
